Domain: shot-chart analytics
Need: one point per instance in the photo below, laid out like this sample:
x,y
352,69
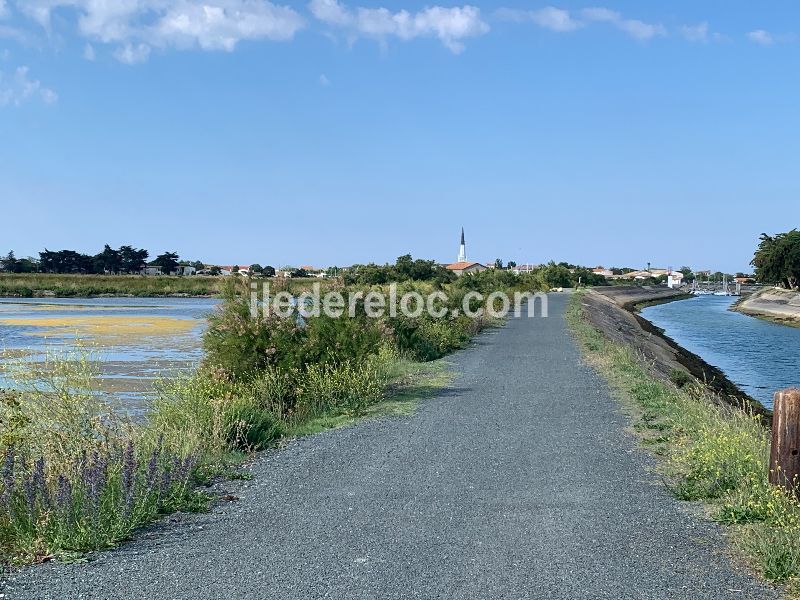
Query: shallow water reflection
x,y
135,340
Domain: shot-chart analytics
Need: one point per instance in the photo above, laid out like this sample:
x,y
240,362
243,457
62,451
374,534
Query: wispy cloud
x,y
549,17
324,81
633,27
451,25
3,9
88,52
759,36
132,54
562,20
696,33
19,88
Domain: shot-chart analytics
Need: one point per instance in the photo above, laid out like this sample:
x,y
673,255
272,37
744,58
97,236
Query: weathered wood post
x,y
784,456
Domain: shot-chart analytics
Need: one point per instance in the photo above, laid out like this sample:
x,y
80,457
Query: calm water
x,y
759,356
135,340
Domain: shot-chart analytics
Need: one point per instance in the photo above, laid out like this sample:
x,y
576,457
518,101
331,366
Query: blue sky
x,y
330,133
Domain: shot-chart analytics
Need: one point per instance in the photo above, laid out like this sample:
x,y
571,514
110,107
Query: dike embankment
x,y
614,311
772,304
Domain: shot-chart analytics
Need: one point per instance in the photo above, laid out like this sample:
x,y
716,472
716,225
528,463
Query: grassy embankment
x,y
709,451
31,285
77,475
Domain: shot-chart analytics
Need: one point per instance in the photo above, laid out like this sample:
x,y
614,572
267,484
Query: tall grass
x,y
711,451
76,474
27,285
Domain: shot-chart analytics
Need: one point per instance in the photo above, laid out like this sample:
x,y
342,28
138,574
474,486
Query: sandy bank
x,y
773,304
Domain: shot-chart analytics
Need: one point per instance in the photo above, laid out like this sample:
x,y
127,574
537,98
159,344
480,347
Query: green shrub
x,y
76,474
680,378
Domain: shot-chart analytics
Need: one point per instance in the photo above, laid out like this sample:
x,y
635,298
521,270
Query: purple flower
x,y
7,479
29,489
95,480
152,464
128,476
39,482
64,495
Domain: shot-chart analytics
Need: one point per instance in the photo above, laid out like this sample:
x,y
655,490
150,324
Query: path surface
x,y
517,482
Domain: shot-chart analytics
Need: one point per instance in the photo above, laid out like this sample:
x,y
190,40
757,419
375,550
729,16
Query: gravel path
x,y
516,482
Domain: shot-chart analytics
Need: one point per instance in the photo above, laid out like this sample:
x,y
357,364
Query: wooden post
x,y
784,456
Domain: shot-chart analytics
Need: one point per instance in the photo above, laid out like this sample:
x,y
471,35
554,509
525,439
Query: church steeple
x,y
462,252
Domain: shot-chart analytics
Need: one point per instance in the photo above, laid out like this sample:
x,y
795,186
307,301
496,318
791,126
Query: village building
x,y
232,269
523,269
184,270
462,265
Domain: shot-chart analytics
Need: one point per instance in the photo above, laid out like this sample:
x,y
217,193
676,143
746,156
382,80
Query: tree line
x,y
777,259
122,260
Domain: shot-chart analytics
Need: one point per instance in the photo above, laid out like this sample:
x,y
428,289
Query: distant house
x,y
184,270
638,275
523,269
604,272
150,270
675,279
460,268
227,270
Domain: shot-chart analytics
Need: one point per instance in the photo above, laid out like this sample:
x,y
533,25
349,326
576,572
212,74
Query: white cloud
x,y
139,25
20,88
549,17
132,54
331,12
759,36
88,52
695,33
222,25
3,9
451,25
633,27
324,81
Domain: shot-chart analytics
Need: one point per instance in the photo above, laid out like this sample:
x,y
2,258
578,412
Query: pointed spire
x,y
462,236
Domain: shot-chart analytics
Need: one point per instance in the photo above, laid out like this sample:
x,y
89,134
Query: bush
x,y
76,474
680,378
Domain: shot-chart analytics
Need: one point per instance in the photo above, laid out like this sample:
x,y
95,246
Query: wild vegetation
x,y
777,259
77,474
710,451
29,285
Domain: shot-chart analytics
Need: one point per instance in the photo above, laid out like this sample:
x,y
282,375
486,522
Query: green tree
x,y
109,260
132,259
257,269
10,263
167,261
268,271
498,263
777,259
